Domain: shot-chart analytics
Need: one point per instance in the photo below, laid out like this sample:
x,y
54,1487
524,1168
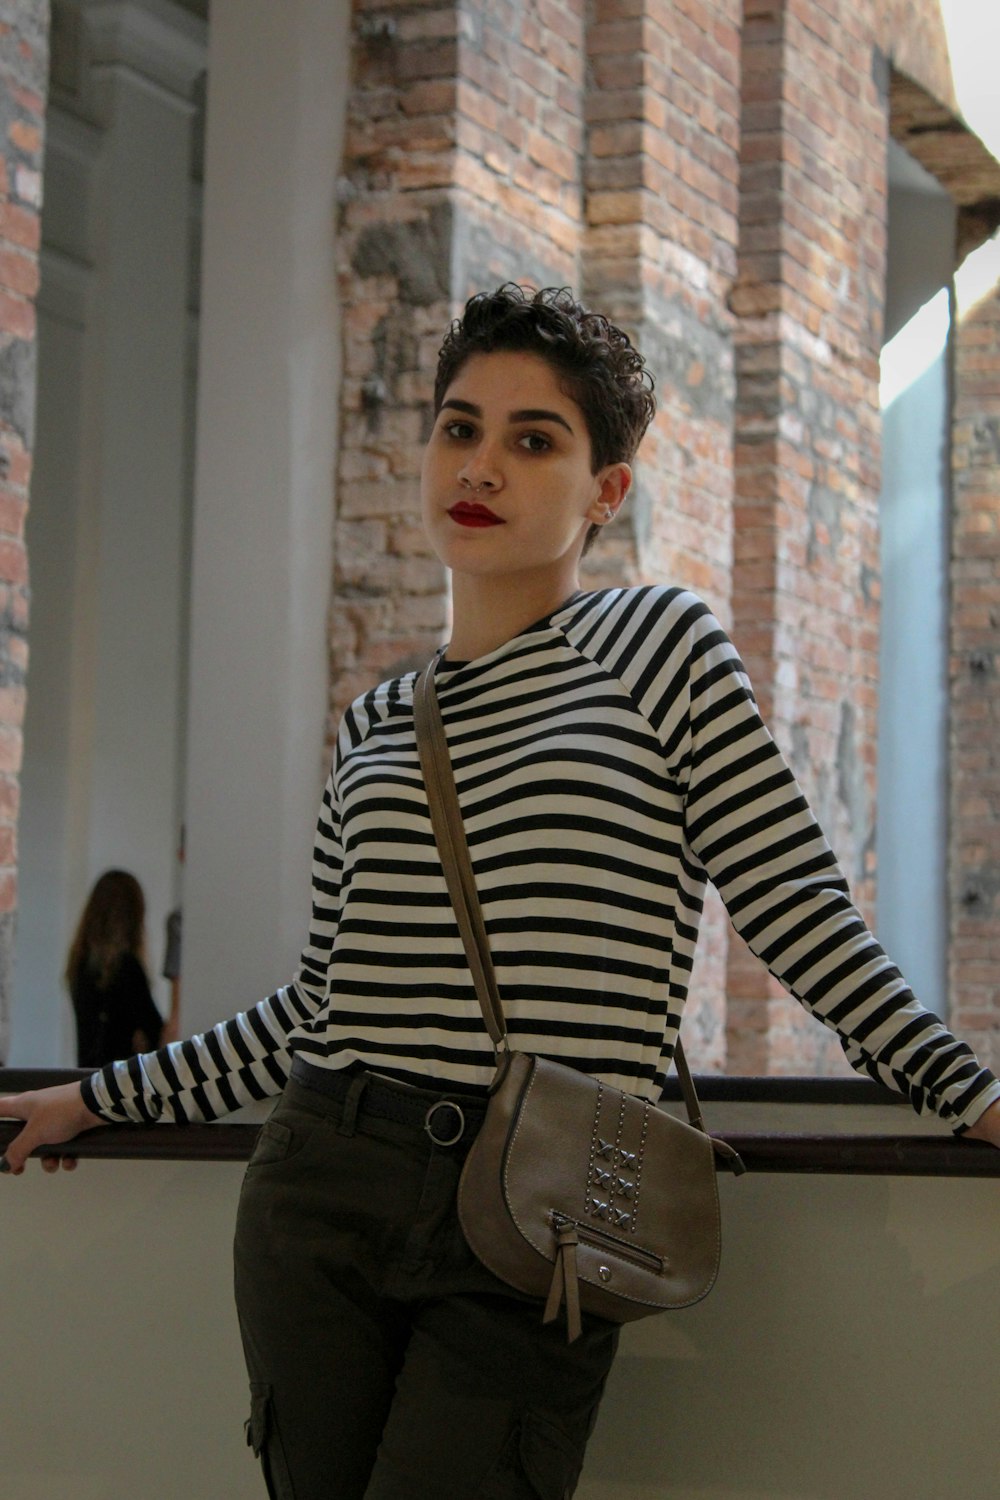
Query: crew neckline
x,y
448,665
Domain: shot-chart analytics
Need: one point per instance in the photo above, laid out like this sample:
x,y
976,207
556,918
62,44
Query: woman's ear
x,y
612,484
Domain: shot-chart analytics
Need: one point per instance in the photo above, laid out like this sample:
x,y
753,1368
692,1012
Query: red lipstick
x,y
473,513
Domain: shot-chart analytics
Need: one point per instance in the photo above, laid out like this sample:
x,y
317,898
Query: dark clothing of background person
x,y
108,1019
172,957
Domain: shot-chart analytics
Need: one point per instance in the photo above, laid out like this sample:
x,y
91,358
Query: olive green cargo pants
x,y
385,1362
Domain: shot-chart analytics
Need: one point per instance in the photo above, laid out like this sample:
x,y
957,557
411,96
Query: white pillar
x,y
107,530
132,584
267,433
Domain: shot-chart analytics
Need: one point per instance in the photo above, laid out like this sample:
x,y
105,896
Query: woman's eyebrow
x,y
539,414
526,414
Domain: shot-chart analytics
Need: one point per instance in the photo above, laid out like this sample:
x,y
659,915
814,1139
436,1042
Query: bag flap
x,y
640,1184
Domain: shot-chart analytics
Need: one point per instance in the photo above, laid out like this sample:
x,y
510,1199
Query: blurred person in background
x,y
106,974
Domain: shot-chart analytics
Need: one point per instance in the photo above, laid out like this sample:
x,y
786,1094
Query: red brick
x,y
10,748
13,562
19,273
20,226
27,138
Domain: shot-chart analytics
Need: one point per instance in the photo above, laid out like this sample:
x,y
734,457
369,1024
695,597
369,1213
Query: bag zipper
x,y
589,1235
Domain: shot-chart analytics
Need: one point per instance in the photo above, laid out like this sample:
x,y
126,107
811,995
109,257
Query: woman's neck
x,y
488,612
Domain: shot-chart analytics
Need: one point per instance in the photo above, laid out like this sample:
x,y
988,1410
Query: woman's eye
x,y
536,442
460,430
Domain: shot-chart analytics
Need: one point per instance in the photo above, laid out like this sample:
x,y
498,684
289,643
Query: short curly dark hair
x,y
596,362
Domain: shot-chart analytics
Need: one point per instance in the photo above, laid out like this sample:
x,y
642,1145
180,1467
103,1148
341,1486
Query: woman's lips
x,y
471,513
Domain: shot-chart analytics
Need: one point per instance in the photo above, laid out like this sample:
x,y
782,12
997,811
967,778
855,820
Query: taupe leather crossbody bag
x,y
572,1191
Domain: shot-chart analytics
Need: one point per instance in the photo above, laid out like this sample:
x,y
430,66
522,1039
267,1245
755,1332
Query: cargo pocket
x,y
265,1440
550,1460
537,1462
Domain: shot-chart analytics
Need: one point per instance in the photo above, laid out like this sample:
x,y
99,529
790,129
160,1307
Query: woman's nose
x,y
481,470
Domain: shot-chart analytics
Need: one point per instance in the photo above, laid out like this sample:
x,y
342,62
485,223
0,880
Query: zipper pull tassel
x,y
564,1280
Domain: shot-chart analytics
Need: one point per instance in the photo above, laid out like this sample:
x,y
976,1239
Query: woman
x,y
106,974
609,757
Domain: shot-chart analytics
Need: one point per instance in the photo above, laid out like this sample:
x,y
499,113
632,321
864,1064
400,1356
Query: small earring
x,y
609,514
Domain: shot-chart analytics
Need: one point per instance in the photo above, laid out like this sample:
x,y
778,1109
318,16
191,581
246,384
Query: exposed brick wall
x,y
925,119
462,169
23,83
520,130
933,134
552,143
809,304
713,175
912,34
974,741
659,256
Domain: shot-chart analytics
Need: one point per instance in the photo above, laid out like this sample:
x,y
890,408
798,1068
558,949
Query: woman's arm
x,y
209,1075
51,1116
246,1058
753,831
987,1127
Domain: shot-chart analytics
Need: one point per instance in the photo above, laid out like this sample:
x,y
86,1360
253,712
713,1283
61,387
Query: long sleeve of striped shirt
x,y
752,830
609,760
247,1058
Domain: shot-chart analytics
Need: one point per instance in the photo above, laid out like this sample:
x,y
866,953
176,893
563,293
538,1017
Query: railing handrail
x,y
723,1088
865,1155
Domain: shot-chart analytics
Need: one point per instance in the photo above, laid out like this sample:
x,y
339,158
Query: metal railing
x,y
883,1154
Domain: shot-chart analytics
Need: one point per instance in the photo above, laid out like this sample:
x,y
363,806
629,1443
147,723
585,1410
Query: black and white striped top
x,y
607,759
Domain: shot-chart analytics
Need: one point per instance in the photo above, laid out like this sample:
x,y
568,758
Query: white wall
x,y
41,1027
848,1351
845,1354
179,645
107,528
267,426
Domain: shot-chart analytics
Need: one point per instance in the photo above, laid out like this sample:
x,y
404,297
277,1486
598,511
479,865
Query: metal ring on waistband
x,y
445,1104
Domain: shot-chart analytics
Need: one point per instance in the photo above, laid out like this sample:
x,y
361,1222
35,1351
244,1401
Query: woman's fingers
x,y
12,1107
17,1152
51,1116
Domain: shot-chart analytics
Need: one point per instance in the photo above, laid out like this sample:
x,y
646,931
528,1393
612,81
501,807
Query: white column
x,y
109,521
131,584
267,433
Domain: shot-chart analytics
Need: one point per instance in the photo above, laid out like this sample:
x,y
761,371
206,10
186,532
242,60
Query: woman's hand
x,y
987,1127
51,1116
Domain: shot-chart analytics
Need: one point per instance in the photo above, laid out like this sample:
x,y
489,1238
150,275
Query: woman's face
x,y
506,483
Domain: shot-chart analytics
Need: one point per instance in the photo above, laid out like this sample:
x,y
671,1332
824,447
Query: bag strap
x,y
449,832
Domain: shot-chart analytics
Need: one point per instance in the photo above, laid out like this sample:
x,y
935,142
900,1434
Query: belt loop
x,y
352,1102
